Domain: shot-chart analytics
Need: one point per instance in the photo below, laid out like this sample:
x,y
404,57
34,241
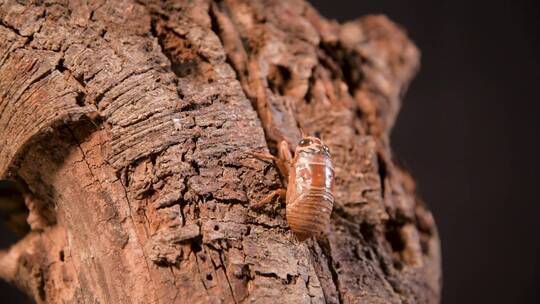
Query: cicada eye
x,y
325,148
305,142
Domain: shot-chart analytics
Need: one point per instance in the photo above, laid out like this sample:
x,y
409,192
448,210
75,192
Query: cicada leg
x,y
267,199
283,160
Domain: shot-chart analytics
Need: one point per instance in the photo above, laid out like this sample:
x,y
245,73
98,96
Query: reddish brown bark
x,y
129,127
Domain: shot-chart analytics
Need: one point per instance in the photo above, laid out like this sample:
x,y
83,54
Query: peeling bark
x,y
129,125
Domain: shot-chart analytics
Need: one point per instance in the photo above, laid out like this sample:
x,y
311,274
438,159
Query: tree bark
x,y
129,127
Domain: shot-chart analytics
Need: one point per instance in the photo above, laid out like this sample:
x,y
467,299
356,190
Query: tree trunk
x,y
130,127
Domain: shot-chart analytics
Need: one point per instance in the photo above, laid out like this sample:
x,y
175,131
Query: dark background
x,y
468,131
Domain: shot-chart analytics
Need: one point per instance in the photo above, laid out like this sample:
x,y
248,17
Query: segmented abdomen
x,y
309,214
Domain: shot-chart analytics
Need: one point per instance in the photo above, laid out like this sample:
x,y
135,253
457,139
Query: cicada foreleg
x,y
267,199
283,162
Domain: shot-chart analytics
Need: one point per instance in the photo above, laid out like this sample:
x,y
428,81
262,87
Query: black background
x,y
468,131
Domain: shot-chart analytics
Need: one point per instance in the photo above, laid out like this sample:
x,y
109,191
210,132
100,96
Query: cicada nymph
x,y
310,183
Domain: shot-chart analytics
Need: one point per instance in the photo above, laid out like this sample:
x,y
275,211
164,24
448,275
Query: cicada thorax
x,y
310,192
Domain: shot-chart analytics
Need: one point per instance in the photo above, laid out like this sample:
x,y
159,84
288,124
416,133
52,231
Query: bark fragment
x,y
131,124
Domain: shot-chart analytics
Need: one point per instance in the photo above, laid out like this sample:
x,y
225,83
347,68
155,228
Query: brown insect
x,y
310,185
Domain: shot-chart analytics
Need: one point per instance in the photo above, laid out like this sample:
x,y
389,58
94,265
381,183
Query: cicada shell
x,y
310,198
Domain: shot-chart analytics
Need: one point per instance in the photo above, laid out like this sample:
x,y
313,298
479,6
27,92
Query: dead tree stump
x,y
128,127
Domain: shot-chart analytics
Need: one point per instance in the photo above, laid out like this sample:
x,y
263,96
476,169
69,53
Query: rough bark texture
x,y
129,127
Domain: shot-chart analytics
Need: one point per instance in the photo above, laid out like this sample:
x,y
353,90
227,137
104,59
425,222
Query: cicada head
x,y
312,145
